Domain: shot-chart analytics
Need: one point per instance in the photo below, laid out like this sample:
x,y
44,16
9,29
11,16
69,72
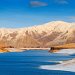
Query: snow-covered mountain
x,y
46,35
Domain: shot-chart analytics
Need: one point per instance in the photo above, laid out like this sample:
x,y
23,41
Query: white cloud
x,y
36,3
62,1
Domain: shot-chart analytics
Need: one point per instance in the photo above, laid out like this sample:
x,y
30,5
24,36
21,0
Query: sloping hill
x,y
46,35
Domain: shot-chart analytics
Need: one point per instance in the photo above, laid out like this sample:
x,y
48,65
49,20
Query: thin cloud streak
x,y
62,1
38,3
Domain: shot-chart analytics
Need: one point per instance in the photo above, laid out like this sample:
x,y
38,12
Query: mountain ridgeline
x,y
50,34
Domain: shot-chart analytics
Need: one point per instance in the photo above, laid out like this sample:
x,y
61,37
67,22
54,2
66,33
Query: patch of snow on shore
x,y
64,66
67,51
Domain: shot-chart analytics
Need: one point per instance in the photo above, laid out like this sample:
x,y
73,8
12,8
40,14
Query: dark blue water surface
x,y
28,63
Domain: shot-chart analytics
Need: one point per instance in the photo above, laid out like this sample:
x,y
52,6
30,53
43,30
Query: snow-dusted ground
x,y
64,66
67,51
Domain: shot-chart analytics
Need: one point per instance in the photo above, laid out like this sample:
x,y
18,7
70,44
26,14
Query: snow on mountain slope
x,y
64,38
45,35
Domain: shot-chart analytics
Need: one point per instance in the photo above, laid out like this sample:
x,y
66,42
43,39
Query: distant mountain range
x,y
49,34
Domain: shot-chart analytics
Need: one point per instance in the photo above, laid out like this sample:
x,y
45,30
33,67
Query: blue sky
x,y
24,13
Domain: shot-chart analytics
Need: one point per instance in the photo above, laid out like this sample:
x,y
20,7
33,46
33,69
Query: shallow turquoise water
x,y
28,62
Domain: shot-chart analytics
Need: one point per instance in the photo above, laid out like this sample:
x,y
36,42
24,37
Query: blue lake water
x,y
28,62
